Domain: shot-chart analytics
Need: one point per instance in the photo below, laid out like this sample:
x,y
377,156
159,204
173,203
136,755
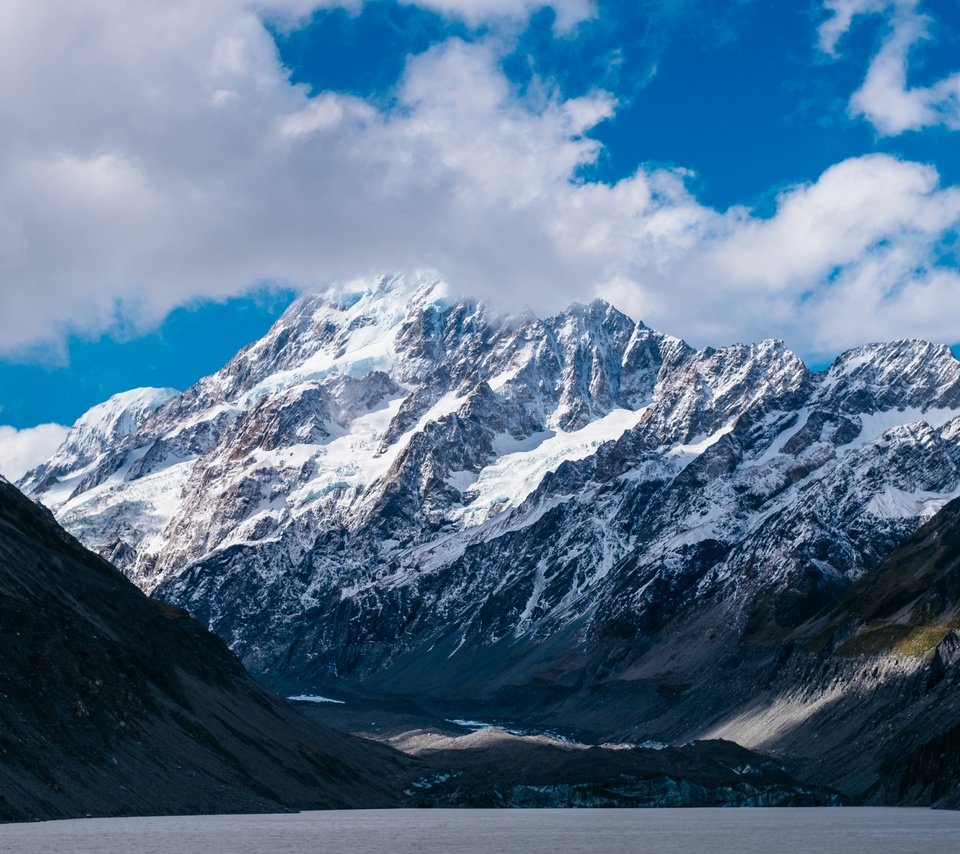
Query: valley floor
x,y
848,830
458,760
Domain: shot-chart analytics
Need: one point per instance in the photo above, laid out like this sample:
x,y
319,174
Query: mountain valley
x,y
576,523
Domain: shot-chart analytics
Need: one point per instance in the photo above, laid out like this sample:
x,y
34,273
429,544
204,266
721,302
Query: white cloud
x,y
157,152
886,99
21,450
569,12
842,15
852,209
849,258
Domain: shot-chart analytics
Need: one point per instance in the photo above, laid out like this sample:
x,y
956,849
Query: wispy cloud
x,y
886,99
569,13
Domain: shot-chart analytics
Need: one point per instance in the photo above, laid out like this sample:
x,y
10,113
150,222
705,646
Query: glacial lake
x,y
850,830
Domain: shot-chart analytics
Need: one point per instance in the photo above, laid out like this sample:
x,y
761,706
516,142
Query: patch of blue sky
x,y
753,110
193,341
936,57
361,52
736,91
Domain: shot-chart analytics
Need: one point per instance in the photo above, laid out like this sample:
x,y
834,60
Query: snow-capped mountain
x,y
405,488
94,434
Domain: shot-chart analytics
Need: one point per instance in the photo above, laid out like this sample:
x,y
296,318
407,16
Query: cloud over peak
x,y
159,152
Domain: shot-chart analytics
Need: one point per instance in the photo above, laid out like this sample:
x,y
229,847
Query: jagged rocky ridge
x,y
399,492
115,704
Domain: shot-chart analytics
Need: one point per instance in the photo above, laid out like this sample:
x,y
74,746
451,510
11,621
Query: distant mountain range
x,y
575,520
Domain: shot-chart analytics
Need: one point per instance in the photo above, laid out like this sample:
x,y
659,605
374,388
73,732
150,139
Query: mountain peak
x,y
103,426
893,375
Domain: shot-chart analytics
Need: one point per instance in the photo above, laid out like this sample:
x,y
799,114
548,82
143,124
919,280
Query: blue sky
x,y
724,169
734,90
192,341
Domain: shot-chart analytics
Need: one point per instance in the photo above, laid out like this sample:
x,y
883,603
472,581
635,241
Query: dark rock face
x,y
115,704
576,518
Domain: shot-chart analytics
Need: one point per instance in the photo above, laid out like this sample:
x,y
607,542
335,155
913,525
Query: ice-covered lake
x,y
739,831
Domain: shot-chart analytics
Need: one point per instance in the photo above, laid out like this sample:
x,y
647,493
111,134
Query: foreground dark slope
x,y
114,704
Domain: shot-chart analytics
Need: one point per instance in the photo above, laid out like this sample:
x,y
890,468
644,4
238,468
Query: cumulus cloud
x,y
154,153
854,256
21,450
886,99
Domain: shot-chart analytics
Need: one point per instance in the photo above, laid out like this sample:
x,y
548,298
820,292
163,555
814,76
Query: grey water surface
x,y
743,831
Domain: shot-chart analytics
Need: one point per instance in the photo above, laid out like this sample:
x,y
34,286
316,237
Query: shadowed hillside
x,y
114,704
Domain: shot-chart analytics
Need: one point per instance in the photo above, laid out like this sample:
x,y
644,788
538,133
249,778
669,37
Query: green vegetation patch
x,y
875,640
898,638
922,639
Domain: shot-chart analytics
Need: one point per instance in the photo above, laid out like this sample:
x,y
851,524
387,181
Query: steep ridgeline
x,y
406,491
114,704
